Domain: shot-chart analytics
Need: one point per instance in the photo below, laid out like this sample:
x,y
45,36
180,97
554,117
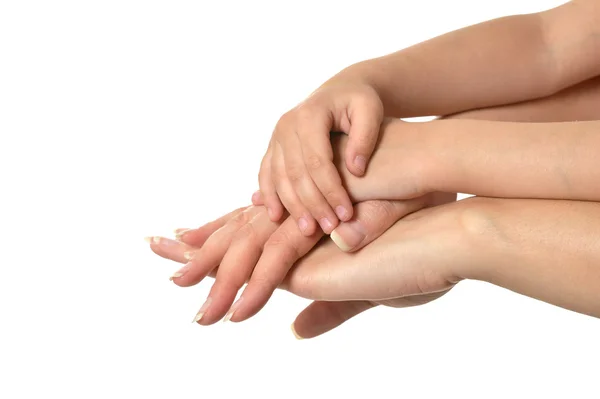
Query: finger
x,y
372,219
267,187
317,153
320,317
283,248
197,237
203,260
365,117
306,223
257,198
169,249
237,265
307,192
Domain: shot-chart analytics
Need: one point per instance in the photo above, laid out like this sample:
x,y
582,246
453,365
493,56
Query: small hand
x,y
297,169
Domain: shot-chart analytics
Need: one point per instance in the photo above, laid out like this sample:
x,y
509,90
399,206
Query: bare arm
x,y
549,250
498,62
485,158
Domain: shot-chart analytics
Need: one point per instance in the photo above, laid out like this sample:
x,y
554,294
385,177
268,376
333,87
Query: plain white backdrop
x,y
123,119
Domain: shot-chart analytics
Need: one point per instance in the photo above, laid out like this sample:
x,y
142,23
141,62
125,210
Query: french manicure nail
x,y
181,272
175,275
156,240
361,163
189,255
232,310
348,235
298,337
148,239
202,310
180,233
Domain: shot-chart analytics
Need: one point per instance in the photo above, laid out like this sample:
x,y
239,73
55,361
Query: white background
x,y
122,119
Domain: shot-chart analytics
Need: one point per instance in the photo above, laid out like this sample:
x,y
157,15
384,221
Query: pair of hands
x,y
398,269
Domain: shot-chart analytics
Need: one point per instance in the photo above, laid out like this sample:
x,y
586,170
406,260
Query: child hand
x,y
309,186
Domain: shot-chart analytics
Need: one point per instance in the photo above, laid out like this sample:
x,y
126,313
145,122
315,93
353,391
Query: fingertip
x,y
344,213
257,198
293,328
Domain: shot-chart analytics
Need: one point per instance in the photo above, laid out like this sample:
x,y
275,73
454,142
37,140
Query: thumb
x,y
371,219
366,116
320,317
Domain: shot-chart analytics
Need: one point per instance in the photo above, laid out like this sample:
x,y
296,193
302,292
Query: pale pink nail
x,y
302,224
361,163
341,212
256,197
326,225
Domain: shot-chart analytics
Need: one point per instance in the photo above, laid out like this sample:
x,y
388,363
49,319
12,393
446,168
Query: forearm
x,y
510,160
549,250
502,61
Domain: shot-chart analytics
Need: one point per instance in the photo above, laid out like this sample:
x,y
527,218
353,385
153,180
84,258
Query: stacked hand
x,y
398,269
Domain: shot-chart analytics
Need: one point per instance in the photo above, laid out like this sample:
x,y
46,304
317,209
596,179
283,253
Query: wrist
x,y
401,167
479,238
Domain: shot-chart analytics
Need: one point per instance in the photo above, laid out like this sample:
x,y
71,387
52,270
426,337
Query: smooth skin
x,y
364,228
517,244
536,56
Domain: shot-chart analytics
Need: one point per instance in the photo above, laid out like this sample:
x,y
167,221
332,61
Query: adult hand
x,y
231,246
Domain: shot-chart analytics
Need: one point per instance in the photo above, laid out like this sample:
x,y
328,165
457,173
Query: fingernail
x,y
348,235
326,225
298,337
361,163
166,241
341,212
256,197
148,239
232,310
270,212
202,310
175,275
156,240
180,233
189,255
302,224
181,272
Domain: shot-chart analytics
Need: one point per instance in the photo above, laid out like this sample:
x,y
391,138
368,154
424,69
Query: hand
x,y
399,269
246,246
298,168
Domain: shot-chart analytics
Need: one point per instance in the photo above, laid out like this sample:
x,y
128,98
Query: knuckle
x,y
295,173
381,210
246,234
305,112
282,243
314,162
241,219
284,120
264,283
